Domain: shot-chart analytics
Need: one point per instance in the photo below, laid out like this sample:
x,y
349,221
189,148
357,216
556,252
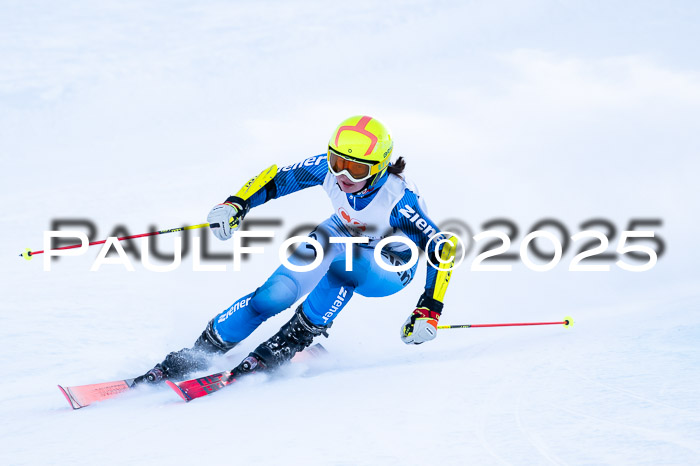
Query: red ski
x,y
196,388
83,395
189,390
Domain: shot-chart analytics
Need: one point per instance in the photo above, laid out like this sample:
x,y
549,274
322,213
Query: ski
x,y
188,390
81,396
192,389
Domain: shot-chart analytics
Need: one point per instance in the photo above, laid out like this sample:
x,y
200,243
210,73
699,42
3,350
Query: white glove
x,y
421,326
226,218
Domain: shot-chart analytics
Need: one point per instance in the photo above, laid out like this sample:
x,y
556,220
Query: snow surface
x,y
147,115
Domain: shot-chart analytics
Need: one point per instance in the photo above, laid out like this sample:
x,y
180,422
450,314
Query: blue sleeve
x,y
408,216
293,178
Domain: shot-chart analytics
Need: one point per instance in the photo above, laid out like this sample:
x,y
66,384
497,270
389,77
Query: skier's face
x,y
348,186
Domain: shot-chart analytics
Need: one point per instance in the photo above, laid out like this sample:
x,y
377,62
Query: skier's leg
x,y
323,304
293,337
367,278
280,291
238,321
231,326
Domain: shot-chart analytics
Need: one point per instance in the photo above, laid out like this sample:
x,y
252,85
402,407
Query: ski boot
x,y
178,364
293,337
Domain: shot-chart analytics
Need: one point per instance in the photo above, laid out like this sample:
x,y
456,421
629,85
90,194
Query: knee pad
x,y
277,294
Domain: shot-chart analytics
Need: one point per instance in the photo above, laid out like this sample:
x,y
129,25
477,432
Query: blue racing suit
x,y
330,286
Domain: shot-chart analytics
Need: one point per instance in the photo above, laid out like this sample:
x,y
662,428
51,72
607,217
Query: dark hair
x,y
397,167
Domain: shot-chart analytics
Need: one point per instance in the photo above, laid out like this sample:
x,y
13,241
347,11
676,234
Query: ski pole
x,y
29,253
568,322
251,187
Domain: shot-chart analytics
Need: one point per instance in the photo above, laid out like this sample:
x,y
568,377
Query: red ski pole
x,y
568,322
29,253
251,187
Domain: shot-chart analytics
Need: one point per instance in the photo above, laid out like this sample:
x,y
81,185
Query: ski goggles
x,y
357,171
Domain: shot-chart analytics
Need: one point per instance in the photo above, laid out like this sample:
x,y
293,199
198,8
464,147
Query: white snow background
x,y
149,113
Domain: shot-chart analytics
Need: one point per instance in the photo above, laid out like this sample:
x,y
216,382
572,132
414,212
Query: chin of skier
x,y
370,197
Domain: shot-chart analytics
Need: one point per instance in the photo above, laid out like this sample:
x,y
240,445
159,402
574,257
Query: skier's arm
x,y
225,218
411,219
292,178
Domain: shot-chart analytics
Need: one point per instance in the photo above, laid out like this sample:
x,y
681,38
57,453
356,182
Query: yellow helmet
x,y
360,148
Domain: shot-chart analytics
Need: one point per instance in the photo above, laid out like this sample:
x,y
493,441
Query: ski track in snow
x,y
502,400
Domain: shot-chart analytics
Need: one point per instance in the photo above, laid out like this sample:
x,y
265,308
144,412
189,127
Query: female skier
x,y
370,198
